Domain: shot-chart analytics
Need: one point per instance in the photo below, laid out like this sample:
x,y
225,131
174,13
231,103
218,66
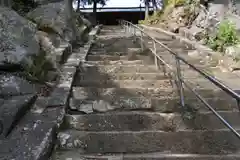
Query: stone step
x,y
90,105
165,104
204,83
142,121
75,155
105,69
186,142
123,83
115,43
194,83
165,91
120,62
172,44
107,32
85,93
149,60
138,75
113,37
121,76
116,58
102,51
162,36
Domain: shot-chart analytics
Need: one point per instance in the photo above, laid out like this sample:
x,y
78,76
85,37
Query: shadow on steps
x,y
102,92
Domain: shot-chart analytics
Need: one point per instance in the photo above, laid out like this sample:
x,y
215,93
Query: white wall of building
x,y
118,3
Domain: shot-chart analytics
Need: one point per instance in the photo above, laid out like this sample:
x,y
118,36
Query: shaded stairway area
x,y
124,108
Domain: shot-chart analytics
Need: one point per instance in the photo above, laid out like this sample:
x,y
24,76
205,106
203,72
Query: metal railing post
x,y
155,54
134,34
141,40
125,27
179,82
238,104
129,29
134,31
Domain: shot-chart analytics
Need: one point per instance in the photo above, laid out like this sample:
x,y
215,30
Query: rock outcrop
x,y
18,42
37,66
35,45
209,18
51,17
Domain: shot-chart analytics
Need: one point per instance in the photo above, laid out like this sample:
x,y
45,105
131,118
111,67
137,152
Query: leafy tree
x,y
146,2
94,3
155,4
78,5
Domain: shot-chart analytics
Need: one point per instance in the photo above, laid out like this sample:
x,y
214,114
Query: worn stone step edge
x,y
104,59
125,83
123,76
188,141
162,83
118,68
94,92
164,104
151,92
75,155
114,58
141,121
115,62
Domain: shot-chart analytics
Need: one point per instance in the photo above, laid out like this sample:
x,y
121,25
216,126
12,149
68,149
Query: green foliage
x,y
226,36
153,19
175,2
89,2
168,7
39,68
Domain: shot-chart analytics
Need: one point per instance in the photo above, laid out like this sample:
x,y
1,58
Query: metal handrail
x,y
179,79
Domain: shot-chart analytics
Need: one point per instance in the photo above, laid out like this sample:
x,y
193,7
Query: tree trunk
x,y
146,9
154,3
6,3
155,7
70,18
78,5
95,13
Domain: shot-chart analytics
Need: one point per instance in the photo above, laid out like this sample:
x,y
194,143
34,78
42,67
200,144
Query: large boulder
x,y
233,52
201,19
18,42
52,18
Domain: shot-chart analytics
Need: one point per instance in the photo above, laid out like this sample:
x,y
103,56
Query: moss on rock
x,y
38,70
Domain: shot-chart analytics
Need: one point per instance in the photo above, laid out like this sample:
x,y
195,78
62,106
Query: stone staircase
x,y
123,108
